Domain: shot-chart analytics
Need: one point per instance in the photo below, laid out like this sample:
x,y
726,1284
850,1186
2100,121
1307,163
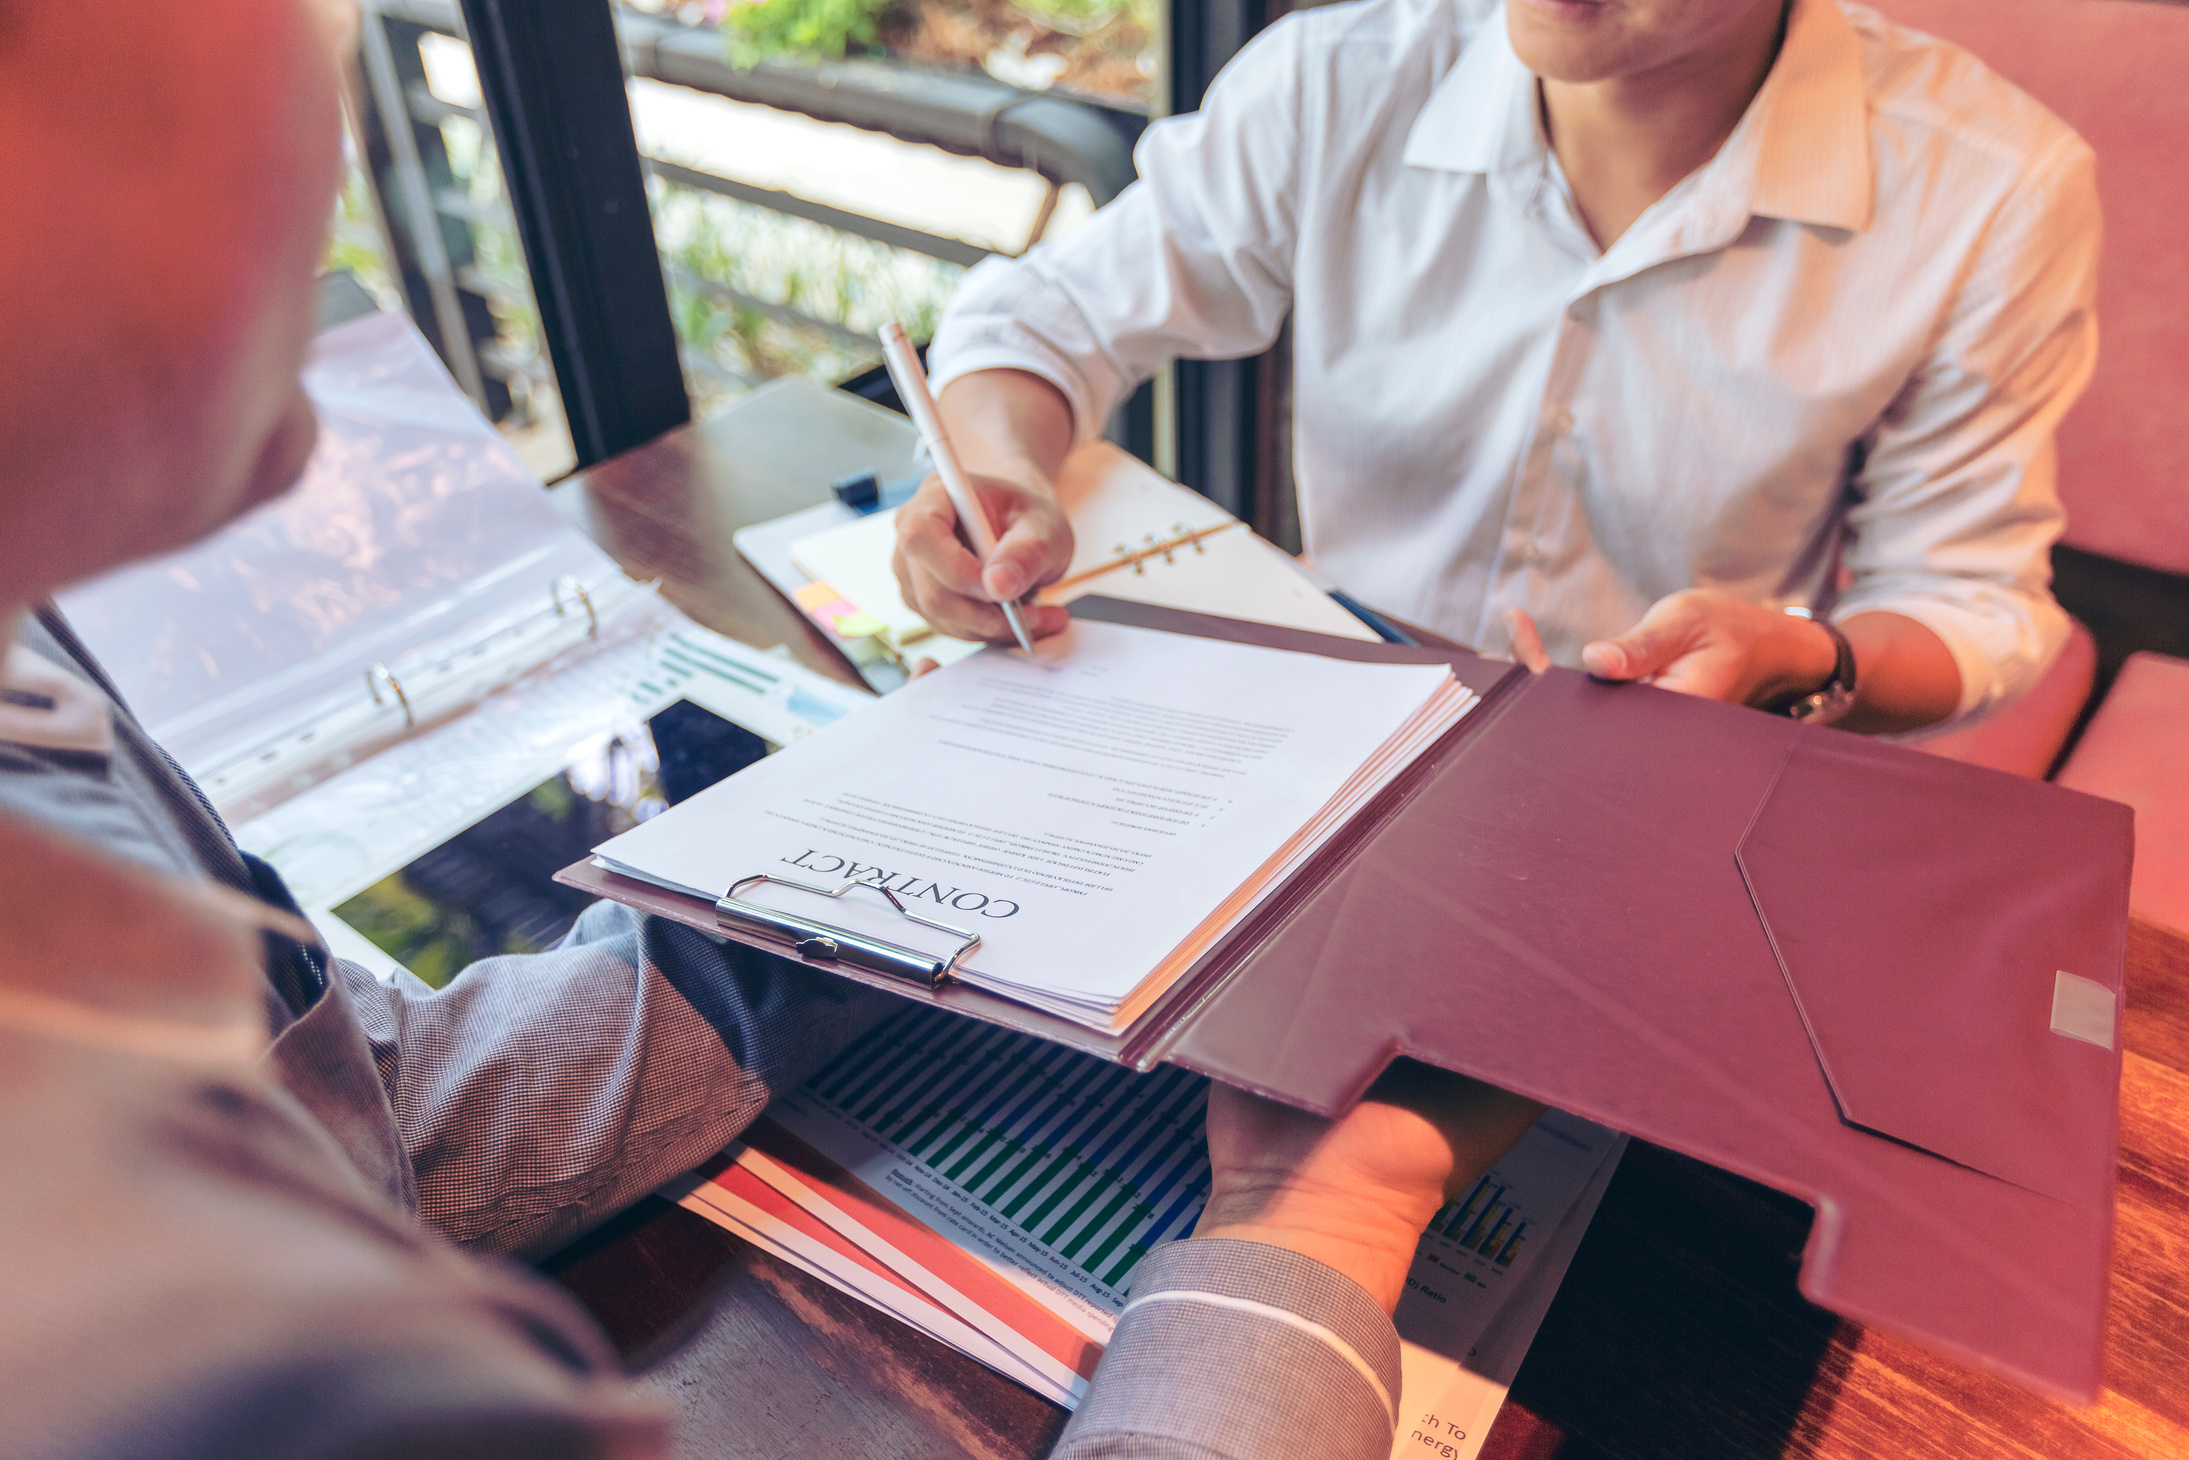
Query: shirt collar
x,y
1482,117
1801,152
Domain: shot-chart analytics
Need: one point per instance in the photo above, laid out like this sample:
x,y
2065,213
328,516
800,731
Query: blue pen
x,y
1386,630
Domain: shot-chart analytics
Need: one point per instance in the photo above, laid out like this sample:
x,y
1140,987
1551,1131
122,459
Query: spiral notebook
x,y
1137,536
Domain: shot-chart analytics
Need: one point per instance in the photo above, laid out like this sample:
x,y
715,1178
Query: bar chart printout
x,y
1476,1246
1058,1169
1061,1171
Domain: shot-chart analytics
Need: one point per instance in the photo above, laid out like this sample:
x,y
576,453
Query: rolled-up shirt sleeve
x,y
1214,212
1959,505
1230,1350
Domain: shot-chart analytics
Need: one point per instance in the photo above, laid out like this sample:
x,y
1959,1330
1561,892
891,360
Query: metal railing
x,y
1064,140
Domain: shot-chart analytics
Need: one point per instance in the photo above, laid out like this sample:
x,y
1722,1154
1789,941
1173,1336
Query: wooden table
x,y
1678,1332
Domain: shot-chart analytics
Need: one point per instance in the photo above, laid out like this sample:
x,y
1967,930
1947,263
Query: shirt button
x,y
1562,423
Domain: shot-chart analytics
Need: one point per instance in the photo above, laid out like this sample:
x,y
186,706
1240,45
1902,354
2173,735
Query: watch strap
x,y
1831,701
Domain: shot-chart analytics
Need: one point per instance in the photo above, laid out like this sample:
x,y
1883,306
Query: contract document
x,y
1098,818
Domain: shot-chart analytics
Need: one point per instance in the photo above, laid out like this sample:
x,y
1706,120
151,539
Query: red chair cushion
x,y
2114,71
2133,752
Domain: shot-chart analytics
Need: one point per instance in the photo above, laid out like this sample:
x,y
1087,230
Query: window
x,y
425,223
818,168
804,170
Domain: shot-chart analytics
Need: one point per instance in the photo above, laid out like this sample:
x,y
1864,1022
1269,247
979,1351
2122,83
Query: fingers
x,y
1045,619
946,584
937,574
1477,1122
1665,633
1708,674
1527,640
927,537
1028,555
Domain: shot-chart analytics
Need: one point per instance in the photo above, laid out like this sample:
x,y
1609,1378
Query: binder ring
x,y
826,942
592,619
374,674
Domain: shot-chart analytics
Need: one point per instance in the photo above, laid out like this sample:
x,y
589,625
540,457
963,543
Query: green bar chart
x,y
1096,1163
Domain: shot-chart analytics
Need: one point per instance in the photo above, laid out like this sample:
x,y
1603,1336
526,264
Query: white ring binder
x,y
570,581
374,673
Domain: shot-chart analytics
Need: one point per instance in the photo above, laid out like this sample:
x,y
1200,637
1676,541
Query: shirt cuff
x,y
1008,316
1240,1349
2002,643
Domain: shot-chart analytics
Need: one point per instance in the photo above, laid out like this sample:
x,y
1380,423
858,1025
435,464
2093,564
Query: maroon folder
x,y
1837,967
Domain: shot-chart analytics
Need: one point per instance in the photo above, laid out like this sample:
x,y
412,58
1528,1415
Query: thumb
x,y
1022,560
1641,651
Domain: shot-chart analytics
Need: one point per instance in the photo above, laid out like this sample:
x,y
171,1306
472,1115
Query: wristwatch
x,y
1828,704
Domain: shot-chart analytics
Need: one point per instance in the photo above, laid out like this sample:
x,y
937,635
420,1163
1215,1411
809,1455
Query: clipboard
x,y
1825,963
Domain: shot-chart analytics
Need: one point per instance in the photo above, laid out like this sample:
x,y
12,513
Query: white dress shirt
x,y
1852,332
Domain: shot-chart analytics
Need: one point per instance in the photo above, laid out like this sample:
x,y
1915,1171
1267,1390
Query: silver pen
x,y
911,382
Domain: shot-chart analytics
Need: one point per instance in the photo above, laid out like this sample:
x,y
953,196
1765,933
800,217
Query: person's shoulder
x,y
322,1319
1943,100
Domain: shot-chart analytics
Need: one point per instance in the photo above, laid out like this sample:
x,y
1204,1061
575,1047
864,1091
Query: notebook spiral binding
x,y
1136,558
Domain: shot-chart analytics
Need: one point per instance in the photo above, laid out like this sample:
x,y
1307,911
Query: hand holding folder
x,y
1355,1191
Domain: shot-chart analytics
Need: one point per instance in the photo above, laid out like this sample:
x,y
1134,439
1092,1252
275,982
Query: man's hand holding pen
x,y
947,585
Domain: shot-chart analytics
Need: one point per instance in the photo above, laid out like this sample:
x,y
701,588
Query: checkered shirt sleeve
x,y
539,1094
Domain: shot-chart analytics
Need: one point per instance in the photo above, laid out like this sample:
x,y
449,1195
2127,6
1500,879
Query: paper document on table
x,y
1100,821
1017,1185
1448,1400
731,1196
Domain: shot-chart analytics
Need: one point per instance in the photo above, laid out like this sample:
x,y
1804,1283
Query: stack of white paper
x,y
1099,821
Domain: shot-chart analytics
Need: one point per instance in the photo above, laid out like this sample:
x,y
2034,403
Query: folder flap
x,y
1932,1012
1556,907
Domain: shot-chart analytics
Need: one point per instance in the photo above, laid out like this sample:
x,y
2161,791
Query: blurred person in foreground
x,y
239,1176
1618,328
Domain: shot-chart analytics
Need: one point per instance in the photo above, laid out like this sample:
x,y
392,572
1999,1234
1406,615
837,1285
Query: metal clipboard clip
x,y
819,941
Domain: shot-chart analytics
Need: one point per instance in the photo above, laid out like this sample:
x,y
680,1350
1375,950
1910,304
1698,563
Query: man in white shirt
x,y
1642,321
